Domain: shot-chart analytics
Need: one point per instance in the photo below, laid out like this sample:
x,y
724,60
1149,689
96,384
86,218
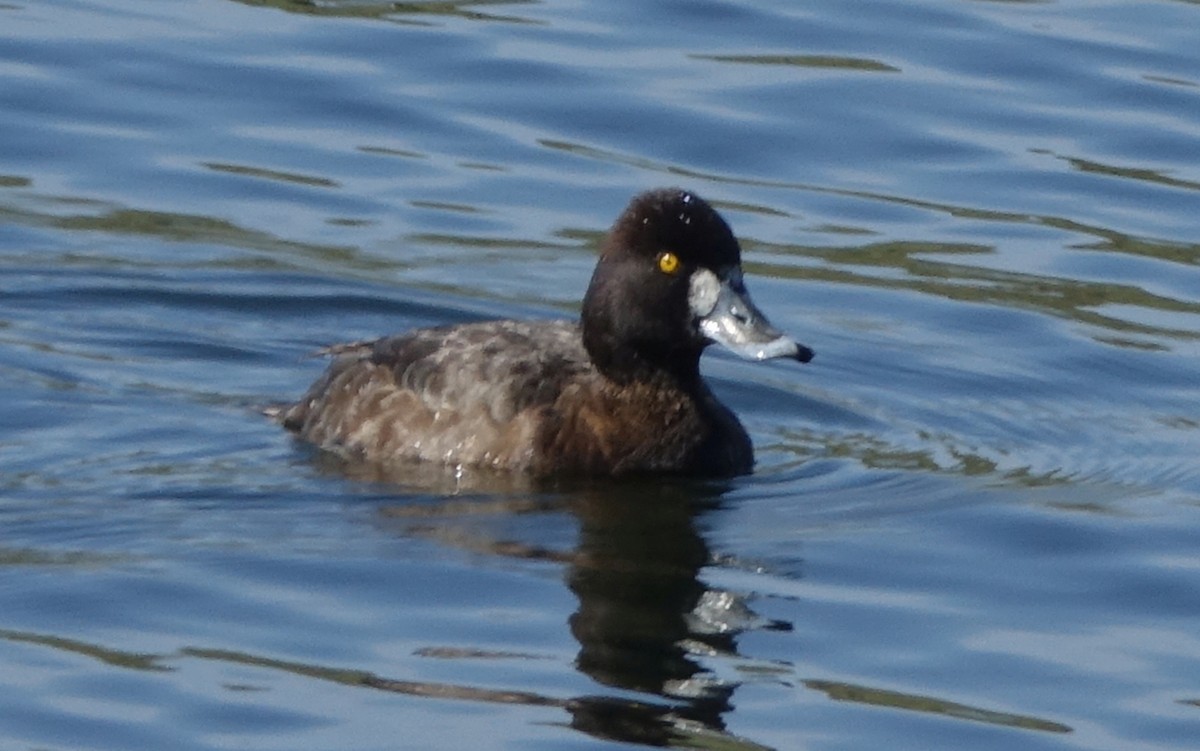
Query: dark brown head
x,y
668,284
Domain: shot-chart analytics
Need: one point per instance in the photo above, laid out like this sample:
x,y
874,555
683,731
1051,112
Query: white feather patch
x,y
703,290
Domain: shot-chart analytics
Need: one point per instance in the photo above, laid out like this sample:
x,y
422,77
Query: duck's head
x,y
668,284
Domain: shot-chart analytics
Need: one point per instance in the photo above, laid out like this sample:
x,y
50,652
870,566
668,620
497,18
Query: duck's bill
x,y
735,323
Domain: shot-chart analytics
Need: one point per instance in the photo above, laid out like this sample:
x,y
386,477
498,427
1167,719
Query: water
x,y
972,524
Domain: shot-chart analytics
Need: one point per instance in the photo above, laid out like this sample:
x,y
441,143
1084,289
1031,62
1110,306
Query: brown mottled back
x,y
463,395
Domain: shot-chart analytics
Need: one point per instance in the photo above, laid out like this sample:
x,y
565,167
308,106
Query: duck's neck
x,y
648,364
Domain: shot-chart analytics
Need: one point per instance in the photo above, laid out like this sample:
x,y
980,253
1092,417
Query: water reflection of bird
x,y
645,620
636,574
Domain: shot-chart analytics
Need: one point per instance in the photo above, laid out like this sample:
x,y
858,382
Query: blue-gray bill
x,y
736,324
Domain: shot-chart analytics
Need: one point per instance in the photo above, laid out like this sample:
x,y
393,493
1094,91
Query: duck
x,y
617,392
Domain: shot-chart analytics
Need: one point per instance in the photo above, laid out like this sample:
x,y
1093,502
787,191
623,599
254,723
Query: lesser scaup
x,y
617,392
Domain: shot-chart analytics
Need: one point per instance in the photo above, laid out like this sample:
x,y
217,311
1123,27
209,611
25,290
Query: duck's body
x,y
618,392
513,395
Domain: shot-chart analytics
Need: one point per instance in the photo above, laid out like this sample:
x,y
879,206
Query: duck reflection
x,y
645,619
636,574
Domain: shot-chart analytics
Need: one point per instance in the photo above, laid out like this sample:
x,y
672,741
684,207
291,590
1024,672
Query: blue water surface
x,y
973,521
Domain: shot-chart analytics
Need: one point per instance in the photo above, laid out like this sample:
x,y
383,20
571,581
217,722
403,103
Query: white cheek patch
x,y
703,290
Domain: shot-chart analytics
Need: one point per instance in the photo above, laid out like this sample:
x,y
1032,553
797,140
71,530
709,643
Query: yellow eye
x,y
668,262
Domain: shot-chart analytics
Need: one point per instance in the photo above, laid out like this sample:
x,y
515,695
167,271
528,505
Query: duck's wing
x,y
464,394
